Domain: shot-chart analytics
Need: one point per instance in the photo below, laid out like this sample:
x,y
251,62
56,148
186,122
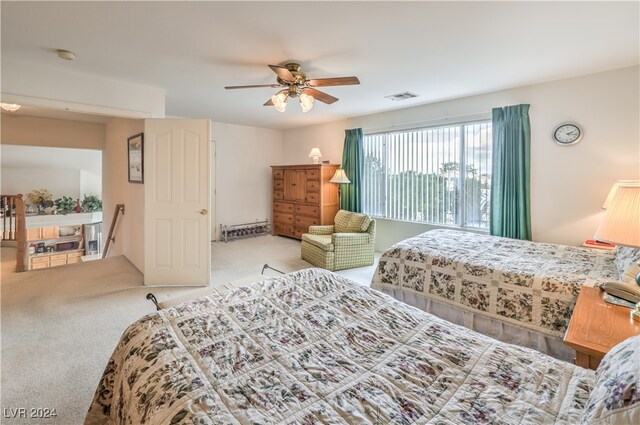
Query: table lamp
x,y
316,155
621,222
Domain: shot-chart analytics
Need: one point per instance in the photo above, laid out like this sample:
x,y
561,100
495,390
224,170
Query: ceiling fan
x,y
299,85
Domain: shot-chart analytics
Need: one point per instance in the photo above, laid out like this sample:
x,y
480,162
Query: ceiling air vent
x,y
401,96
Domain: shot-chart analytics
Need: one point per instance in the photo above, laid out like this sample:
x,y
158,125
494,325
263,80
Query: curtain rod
x,y
415,124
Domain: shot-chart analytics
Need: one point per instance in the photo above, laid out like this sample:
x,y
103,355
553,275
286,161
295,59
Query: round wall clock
x,y
567,134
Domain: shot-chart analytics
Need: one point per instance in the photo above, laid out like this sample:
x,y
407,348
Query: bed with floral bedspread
x,y
528,284
312,347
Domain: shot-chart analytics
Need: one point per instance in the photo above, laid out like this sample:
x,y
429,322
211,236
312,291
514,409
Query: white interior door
x,y
177,204
214,207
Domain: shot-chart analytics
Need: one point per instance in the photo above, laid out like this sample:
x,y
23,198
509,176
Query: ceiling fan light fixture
x,y
11,107
279,101
306,102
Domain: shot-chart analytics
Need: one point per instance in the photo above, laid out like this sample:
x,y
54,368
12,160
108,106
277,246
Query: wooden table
x,y
596,326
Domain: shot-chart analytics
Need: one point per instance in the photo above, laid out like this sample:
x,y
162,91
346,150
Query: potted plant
x,y
65,205
91,203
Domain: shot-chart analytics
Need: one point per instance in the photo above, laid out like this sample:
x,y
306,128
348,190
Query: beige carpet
x,y
60,325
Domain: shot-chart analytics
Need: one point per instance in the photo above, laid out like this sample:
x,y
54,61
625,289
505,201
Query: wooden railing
x,y
14,227
8,211
111,238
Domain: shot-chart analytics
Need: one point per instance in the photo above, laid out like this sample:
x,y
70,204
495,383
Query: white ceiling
x,y
439,50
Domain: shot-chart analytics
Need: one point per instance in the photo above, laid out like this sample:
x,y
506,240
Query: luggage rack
x,y
244,230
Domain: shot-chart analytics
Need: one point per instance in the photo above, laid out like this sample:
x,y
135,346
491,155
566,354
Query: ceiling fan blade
x,y
283,73
339,81
321,96
273,86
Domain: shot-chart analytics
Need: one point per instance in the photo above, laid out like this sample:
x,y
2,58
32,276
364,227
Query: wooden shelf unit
x,y
51,234
53,259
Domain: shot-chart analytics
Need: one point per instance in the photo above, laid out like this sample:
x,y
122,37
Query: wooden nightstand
x,y
596,327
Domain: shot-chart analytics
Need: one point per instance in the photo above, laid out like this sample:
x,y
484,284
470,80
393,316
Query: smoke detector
x,y
401,96
66,55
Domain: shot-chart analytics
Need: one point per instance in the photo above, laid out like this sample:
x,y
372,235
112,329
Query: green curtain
x,y
510,214
353,165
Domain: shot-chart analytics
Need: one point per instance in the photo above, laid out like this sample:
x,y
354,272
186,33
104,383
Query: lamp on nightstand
x,y
340,177
613,189
621,222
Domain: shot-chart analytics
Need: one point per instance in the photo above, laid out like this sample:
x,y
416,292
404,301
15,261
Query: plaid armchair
x,y
346,244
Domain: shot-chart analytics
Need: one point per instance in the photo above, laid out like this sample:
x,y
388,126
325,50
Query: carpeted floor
x,y
60,325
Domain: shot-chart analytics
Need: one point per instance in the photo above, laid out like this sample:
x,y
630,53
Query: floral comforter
x,y
314,348
529,284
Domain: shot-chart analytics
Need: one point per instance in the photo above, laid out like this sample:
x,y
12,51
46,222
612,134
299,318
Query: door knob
x,y
203,211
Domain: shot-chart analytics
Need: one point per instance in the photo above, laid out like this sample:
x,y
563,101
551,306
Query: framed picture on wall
x,y
135,148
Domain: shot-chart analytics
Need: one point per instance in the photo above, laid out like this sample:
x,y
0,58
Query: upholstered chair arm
x,y
372,229
321,230
350,238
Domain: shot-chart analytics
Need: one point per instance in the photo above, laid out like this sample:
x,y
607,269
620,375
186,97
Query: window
x,y
438,175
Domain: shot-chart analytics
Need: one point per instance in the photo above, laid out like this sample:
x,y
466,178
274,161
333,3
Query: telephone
x,y
626,291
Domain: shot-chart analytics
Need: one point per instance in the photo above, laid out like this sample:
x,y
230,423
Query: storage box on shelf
x,y
303,197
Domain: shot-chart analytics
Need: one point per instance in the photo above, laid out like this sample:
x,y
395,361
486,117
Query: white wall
x,y
91,182
63,172
117,190
60,182
568,183
242,171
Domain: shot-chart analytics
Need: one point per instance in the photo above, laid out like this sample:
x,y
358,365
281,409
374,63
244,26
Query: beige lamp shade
x,y
613,190
621,222
316,155
340,177
315,152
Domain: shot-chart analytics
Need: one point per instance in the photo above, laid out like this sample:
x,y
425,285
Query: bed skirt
x,y
494,328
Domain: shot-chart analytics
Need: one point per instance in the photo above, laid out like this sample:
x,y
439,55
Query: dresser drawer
x,y
36,266
40,260
278,194
313,198
72,260
308,210
313,174
278,184
74,254
283,218
278,174
298,231
283,229
55,263
59,257
306,221
283,207
313,186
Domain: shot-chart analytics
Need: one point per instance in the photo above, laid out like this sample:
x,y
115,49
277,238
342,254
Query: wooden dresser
x,y
302,197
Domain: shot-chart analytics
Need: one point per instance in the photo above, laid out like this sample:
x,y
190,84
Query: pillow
x,y
350,222
615,398
627,262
